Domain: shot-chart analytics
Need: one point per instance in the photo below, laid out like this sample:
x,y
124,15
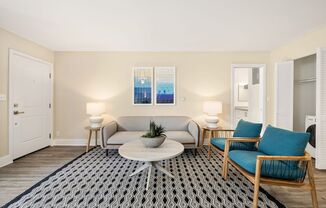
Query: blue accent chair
x,y
245,131
279,160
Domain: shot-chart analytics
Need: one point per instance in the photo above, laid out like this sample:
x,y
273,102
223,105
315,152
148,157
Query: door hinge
x,y
50,105
50,75
50,136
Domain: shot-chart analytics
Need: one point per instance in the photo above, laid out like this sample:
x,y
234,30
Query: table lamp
x,y
212,108
95,110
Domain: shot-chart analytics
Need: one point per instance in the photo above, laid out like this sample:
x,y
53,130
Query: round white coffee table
x,y
136,150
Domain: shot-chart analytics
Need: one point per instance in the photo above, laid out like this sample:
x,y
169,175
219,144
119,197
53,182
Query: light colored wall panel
x,y
85,76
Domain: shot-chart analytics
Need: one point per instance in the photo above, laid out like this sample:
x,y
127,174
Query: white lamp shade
x,y
212,107
95,109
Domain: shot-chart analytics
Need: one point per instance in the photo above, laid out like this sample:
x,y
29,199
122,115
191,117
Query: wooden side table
x,y
91,130
210,131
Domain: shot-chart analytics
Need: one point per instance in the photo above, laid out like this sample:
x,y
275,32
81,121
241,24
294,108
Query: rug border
x,y
17,198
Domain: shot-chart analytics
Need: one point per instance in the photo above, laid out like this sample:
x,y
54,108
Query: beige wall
x,y
10,40
302,46
86,76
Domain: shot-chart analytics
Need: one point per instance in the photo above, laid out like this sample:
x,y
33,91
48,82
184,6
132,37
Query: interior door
x,y
284,83
321,109
30,103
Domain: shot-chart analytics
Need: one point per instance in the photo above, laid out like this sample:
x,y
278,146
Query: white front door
x,y
30,104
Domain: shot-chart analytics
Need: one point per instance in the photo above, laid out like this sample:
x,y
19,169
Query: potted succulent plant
x,y
155,136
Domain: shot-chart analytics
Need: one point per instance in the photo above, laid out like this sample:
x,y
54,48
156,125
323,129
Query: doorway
x,y
30,104
248,93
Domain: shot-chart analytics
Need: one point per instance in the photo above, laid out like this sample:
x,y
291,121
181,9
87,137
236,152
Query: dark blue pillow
x,y
247,129
283,142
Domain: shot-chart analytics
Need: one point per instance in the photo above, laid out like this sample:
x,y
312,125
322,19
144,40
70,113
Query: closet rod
x,y
306,80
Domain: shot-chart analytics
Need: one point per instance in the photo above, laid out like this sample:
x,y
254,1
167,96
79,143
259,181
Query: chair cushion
x,y
247,129
273,169
282,142
180,136
121,137
220,144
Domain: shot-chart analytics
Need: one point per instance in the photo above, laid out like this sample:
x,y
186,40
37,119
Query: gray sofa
x,y
179,128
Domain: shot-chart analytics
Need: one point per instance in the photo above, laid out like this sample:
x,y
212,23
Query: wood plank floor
x,y
26,171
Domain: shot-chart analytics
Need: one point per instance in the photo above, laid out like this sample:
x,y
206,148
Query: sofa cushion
x,y
274,169
220,144
247,129
173,123
180,136
282,142
133,123
121,137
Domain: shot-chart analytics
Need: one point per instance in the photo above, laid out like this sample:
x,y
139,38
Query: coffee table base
x,y
150,166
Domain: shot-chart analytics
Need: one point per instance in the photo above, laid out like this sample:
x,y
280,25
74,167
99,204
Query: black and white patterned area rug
x,y
96,180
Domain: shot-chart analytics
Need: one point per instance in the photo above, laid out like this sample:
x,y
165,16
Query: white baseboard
x,y
72,142
5,160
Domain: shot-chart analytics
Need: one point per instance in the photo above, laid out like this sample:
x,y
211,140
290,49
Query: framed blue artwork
x,y
143,85
164,85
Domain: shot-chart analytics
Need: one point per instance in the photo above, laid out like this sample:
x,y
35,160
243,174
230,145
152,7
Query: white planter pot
x,y
153,142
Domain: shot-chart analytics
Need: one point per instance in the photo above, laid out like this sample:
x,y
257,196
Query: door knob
x,y
18,112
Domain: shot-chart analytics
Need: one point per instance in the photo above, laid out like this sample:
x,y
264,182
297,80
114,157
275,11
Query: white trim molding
x,y
5,160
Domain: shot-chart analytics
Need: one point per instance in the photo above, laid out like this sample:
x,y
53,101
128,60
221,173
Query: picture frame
x,y
142,79
165,86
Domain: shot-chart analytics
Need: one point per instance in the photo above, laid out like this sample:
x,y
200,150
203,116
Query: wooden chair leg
x,y
312,185
257,184
225,159
225,170
225,167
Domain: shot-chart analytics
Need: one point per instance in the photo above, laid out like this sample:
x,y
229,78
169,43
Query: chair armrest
x,y
306,157
228,142
107,131
265,162
243,139
193,129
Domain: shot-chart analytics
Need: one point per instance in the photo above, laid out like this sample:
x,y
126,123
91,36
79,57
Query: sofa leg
x,y
195,152
209,152
107,152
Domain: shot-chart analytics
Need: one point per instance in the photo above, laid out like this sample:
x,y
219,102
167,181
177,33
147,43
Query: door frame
x,y
264,97
10,98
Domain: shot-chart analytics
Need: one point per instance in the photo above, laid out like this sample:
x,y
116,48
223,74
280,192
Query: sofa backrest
x,y
282,142
141,123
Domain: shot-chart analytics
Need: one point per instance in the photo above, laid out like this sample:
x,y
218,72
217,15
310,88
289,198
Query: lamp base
x,y
95,121
211,121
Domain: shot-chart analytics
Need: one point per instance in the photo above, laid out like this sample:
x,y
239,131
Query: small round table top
x,y
212,129
136,150
92,128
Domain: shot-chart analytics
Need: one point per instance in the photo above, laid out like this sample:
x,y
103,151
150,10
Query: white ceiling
x,y
161,25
